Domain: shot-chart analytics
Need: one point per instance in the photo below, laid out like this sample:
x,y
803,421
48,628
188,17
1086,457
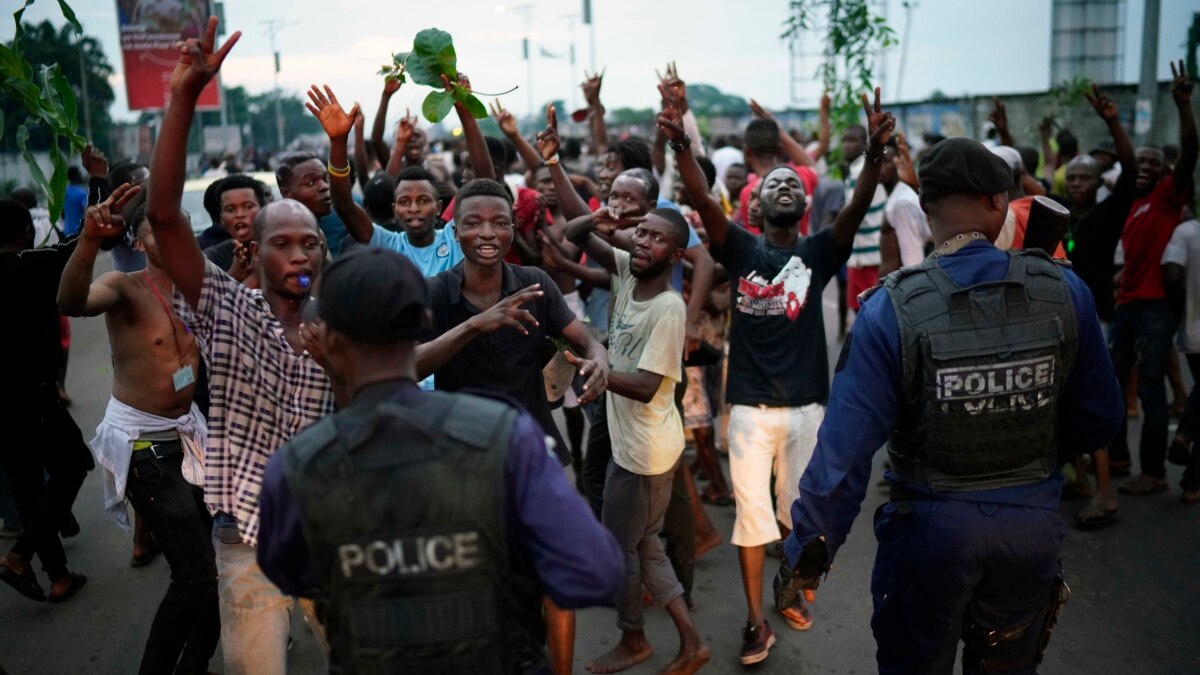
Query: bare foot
x,y
690,659
619,658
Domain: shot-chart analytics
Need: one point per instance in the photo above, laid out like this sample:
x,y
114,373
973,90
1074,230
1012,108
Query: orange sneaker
x,y
798,616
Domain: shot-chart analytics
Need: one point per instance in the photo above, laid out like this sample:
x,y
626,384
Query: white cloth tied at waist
x,y
113,448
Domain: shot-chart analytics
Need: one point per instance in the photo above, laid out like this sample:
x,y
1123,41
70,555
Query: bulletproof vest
x,y
984,368
403,509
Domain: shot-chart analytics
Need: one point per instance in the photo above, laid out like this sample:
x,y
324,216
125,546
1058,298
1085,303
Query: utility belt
x,y
144,449
1005,650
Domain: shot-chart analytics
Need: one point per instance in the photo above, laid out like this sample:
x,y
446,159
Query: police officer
x,y
984,370
427,525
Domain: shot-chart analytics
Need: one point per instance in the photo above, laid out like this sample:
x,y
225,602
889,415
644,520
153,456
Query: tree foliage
x,y
48,101
856,35
706,100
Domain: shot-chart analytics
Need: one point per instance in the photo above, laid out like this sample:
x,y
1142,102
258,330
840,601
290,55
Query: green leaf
x,y
475,107
437,105
58,181
438,46
39,178
11,63
17,20
66,95
69,14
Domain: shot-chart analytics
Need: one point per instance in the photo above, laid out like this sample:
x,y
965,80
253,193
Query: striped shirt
x,y
263,393
865,252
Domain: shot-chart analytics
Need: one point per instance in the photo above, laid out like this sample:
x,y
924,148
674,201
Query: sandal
x,y
77,582
1094,516
26,583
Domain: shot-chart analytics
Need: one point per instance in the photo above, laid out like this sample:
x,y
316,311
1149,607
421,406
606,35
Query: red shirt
x,y
524,213
808,178
1148,228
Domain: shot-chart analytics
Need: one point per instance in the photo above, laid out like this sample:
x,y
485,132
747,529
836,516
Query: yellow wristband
x,y
552,161
343,172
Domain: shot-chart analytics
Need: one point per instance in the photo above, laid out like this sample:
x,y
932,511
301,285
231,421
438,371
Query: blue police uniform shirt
x,y
434,259
866,400
577,561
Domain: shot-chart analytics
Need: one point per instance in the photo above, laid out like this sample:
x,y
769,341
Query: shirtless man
x,y
151,438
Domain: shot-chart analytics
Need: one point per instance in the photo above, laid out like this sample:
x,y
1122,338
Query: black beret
x,y
375,295
961,165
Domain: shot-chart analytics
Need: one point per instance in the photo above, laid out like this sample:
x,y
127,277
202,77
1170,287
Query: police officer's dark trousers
x,y
940,562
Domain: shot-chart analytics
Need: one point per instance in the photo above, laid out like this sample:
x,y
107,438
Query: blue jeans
x,y
186,626
942,561
1141,335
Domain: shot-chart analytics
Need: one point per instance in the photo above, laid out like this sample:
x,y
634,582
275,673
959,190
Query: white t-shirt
x,y
865,252
647,438
908,220
1184,250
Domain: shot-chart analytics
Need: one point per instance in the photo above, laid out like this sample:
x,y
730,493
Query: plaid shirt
x,y
263,393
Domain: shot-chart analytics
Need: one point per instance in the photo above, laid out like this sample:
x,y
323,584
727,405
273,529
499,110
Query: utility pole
x,y
274,25
1148,82
526,12
83,94
908,11
571,57
587,19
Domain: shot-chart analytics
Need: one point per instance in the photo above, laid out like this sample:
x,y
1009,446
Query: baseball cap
x,y
375,295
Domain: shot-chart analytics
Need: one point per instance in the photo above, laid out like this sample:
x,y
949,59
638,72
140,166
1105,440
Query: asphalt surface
x,y
1135,605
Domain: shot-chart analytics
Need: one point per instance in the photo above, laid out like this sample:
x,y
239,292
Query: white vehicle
x,y
193,197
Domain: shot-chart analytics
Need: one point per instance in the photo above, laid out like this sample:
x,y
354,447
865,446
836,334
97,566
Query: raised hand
x,y
103,220
1104,106
670,120
879,123
336,122
508,312
390,86
611,219
676,86
198,62
94,162
547,140
463,82
758,111
243,261
904,164
360,120
591,87
1181,88
999,115
826,103
405,128
504,118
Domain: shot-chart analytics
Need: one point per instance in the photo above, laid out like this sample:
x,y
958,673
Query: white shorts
x,y
763,441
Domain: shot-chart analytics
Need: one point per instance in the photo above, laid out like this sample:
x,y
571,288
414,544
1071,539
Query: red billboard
x,y
149,30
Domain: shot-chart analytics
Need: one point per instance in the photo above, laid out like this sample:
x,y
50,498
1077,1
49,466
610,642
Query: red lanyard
x,y
170,317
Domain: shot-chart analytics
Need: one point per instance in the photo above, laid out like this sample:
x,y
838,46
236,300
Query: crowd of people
x,y
346,396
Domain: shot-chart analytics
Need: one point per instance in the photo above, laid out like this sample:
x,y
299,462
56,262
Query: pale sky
x,y
957,46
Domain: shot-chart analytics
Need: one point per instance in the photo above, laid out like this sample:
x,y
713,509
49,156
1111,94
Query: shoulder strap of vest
x,y
308,443
479,422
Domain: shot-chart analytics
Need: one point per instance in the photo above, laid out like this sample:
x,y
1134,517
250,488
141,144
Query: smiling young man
x,y
415,205
778,368
646,338
264,386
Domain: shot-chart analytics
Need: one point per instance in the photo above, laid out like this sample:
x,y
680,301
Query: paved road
x,y
1135,606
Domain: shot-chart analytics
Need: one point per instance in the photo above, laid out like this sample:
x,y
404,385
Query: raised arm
x,y
404,133
181,256
879,126
582,232
390,87
694,182
362,159
1189,147
1107,110
822,129
1049,157
481,159
337,124
508,126
77,295
569,201
555,258
999,118
794,151
591,94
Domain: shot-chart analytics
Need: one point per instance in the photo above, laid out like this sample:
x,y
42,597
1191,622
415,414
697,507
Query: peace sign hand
x,y
103,220
1104,106
198,62
670,120
405,128
879,123
336,122
547,140
504,118
1181,88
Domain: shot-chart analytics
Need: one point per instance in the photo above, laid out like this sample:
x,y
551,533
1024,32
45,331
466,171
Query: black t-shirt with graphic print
x,y
777,351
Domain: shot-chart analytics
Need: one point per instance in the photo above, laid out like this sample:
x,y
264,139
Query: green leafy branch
x,y
854,34
1064,96
49,100
433,62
